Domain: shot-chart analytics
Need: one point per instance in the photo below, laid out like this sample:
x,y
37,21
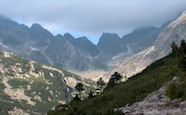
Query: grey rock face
x,y
173,32
38,44
156,103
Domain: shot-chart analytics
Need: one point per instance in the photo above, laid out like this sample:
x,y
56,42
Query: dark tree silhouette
x,y
114,79
79,88
100,83
175,49
90,95
117,77
76,98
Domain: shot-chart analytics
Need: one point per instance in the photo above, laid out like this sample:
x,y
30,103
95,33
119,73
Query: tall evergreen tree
x,y
175,49
79,88
90,95
114,79
100,83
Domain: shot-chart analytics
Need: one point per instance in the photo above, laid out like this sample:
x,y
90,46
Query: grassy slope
x,y
135,89
38,87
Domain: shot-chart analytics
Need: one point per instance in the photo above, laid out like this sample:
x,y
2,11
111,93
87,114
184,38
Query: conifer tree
x,y
114,79
100,83
79,88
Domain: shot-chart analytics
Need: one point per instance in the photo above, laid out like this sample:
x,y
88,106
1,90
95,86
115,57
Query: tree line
x,y
114,80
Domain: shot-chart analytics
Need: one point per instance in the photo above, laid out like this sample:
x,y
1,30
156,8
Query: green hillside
x,y
136,88
29,87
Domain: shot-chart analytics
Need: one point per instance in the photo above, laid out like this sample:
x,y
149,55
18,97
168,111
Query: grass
x,y
135,89
37,88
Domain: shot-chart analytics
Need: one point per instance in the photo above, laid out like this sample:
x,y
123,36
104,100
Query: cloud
x,y
92,17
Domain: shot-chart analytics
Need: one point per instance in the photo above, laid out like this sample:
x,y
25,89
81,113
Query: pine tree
x,y
100,83
114,79
79,88
175,49
90,95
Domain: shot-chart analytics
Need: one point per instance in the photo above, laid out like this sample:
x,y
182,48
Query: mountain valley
x,y
39,71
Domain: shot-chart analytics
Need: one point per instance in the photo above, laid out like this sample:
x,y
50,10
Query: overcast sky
x,y
92,17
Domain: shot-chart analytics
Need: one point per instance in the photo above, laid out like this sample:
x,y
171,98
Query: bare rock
x,y
156,103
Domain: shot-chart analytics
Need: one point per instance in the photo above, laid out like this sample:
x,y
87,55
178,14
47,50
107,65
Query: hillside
x,y
31,88
134,89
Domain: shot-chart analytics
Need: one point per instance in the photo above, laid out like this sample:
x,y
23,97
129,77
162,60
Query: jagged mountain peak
x,y
40,32
59,36
68,36
83,39
109,36
36,26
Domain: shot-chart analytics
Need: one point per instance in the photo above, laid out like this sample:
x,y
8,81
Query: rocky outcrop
x,y
156,103
17,111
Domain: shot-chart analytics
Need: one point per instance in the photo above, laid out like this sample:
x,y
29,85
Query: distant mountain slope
x,y
113,48
38,44
174,31
29,87
110,43
141,38
73,54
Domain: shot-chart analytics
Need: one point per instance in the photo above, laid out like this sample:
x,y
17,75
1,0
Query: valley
x,y
39,71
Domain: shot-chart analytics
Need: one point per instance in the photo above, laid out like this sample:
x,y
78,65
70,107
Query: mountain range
x,y
75,54
129,54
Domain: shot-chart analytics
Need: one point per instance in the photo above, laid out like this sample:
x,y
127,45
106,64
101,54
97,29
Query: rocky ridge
x,y
156,103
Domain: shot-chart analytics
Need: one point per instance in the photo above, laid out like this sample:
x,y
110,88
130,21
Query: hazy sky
x,y
92,17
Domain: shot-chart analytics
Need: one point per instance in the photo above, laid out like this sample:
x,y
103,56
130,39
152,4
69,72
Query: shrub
x,y
174,91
